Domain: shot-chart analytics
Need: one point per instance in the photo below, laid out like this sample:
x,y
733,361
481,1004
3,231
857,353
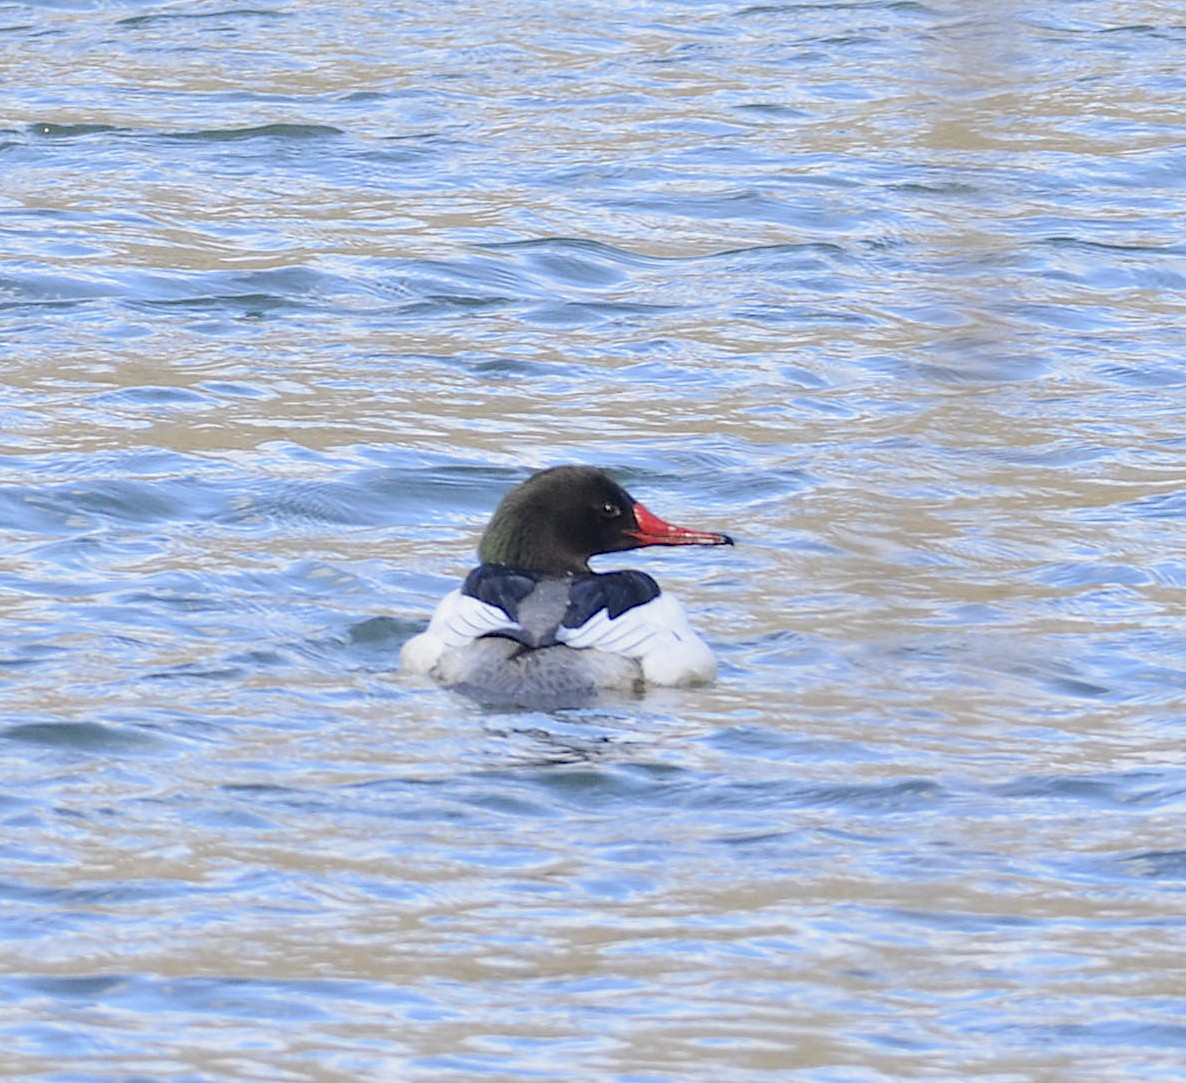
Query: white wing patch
x,y
657,633
459,619
457,622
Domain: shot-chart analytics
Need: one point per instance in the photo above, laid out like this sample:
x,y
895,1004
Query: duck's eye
x,y
610,510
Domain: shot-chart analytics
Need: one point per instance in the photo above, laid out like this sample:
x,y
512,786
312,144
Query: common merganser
x,y
533,625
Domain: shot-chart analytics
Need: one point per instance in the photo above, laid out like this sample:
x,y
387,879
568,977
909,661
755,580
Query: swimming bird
x,y
533,624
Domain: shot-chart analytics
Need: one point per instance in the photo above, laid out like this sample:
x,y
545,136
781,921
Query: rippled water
x,y
291,293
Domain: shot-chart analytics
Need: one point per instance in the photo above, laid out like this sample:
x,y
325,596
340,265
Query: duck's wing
x,y
612,612
457,621
460,619
485,604
625,613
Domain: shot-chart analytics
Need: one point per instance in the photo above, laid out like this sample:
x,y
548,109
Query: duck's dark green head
x,y
560,517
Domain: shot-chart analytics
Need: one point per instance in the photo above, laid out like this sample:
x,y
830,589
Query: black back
x,y
567,602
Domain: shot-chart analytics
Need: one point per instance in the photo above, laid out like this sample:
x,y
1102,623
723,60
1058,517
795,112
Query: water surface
x,y
892,291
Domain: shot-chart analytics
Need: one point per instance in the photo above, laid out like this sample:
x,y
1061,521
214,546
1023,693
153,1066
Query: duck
x,y
534,625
